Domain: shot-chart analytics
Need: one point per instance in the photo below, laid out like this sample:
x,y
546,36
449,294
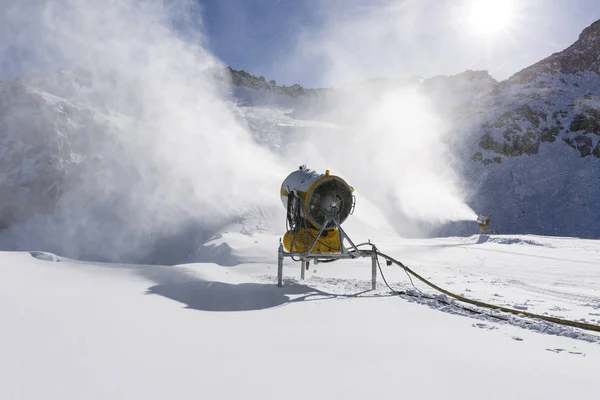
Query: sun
x,y
490,18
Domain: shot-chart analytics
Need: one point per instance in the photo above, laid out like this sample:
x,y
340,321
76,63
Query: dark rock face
x,y
521,132
588,121
242,78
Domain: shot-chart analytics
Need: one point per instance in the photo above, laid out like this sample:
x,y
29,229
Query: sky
x,y
332,43
337,42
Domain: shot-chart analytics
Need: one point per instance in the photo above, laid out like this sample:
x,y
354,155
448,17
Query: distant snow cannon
x,y
317,205
484,223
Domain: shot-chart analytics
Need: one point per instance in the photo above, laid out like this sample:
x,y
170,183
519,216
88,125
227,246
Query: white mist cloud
x,y
174,159
392,144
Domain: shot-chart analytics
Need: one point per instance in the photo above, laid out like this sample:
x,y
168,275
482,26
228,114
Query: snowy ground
x,y
74,330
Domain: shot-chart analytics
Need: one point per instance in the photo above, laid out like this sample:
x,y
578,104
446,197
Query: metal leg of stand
x,y
374,271
280,266
302,269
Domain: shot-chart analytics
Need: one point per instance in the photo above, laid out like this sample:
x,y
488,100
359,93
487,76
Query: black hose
x,y
561,321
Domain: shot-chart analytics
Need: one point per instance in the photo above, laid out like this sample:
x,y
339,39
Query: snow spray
x,y
169,156
391,142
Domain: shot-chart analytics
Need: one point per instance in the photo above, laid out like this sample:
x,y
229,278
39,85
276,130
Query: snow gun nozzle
x,y
483,222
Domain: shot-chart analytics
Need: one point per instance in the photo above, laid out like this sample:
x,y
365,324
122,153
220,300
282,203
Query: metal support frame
x,y
374,271
305,258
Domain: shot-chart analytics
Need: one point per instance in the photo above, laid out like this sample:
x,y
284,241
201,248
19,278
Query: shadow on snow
x,y
219,296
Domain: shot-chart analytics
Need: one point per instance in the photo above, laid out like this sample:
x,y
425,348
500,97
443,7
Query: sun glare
x,y
490,17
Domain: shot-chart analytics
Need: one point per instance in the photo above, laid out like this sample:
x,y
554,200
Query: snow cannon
x,y
317,204
484,223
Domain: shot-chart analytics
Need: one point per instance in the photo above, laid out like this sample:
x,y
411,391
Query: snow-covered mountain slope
x,y
75,330
535,145
527,150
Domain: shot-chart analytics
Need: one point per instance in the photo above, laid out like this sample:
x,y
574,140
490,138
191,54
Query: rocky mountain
x,y
557,97
243,79
579,58
535,145
528,147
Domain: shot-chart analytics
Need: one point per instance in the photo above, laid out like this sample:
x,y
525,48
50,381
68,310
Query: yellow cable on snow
x,y
577,324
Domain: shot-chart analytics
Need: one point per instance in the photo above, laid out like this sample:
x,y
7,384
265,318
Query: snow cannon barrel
x,y
318,199
484,223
